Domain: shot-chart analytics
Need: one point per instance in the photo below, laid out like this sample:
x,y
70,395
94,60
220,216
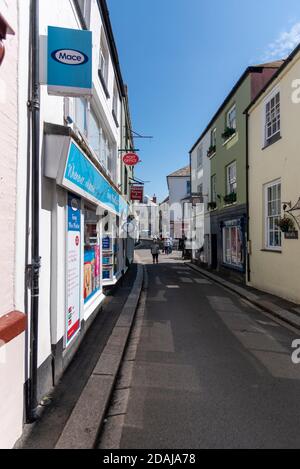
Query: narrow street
x,y
210,370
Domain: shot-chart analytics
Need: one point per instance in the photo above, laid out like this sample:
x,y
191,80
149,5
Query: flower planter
x,y
230,198
228,133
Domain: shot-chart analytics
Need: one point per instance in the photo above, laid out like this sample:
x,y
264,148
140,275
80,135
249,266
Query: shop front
x,y
87,252
228,242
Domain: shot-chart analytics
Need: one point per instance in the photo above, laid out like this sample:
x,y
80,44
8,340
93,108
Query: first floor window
x,y
273,215
200,157
81,109
214,188
231,178
233,245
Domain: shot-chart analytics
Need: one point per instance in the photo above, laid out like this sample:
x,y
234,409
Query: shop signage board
x,y
291,235
69,62
137,193
73,268
131,159
82,177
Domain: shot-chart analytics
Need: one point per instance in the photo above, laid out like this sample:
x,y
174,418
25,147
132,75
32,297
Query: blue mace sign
x,y
69,62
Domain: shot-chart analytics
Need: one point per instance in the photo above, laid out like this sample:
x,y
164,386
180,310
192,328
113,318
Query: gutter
x,y
247,199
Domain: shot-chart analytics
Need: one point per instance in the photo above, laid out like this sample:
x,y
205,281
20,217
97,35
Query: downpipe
x,y
34,269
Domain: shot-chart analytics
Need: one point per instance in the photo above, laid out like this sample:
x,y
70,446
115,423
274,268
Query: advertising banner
x,y
82,176
73,268
137,193
69,62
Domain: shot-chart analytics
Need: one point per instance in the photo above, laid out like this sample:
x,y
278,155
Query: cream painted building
x,y
274,183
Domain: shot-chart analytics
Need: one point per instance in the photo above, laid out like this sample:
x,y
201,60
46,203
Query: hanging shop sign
x,y
69,62
137,193
73,268
131,159
82,177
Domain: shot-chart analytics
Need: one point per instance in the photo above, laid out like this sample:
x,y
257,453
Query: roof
x,y
183,172
165,201
285,63
252,69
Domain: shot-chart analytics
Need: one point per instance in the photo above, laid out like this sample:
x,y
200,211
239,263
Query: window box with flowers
x,y
211,151
230,198
212,205
228,132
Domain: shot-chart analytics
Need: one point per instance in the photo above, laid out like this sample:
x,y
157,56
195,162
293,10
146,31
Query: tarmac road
x,y
209,371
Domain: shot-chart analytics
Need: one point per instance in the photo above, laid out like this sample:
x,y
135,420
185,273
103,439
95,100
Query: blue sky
x,y
180,58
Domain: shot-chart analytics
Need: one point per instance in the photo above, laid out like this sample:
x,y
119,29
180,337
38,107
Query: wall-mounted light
x,y
4,30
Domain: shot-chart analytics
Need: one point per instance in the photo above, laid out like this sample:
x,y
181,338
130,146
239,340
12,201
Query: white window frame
x,y
200,157
104,59
268,217
116,102
213,137
213,189
231,181
276,118
228,121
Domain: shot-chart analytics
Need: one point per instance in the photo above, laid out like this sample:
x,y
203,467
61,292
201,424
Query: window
x,y
273,215
188,187
200,190
116,105
233,244
214,188
272,118
81,108
231,118
213,138
94,135
84,10
231,178
103,65
200,157
92,262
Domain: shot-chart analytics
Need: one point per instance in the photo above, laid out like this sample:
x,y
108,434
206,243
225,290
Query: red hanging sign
x,y
131,159
137,193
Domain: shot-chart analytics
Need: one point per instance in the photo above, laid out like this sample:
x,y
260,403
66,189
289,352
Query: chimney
x,y
154,199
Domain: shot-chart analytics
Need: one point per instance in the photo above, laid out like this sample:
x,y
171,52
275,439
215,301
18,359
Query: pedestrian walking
x,y
155,251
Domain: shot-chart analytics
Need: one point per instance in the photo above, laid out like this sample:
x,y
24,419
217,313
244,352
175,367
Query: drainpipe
x,y
34,268
247,195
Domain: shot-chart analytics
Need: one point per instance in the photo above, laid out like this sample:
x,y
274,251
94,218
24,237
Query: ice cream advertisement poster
x,y
73,268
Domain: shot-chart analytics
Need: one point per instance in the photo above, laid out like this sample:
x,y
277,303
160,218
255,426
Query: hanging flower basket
x,y
286,224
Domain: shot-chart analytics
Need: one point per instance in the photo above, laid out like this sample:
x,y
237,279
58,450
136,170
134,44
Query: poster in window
x,y
73,268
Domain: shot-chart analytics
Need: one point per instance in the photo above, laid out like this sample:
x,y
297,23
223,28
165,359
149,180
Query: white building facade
x,y
83,198
179,185
201,195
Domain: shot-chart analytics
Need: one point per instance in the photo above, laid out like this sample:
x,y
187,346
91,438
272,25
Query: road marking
x,y
186,280
202,281
173,286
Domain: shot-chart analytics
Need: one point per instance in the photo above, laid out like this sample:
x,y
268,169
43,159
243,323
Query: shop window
x,y
233,245
92,262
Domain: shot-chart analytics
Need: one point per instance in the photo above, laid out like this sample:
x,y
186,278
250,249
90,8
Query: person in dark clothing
x,y
155,251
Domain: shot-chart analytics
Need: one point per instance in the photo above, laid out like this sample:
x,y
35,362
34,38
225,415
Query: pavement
x,y
77,406
205,368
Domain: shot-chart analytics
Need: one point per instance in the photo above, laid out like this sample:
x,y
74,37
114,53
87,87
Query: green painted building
x,y
227,202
